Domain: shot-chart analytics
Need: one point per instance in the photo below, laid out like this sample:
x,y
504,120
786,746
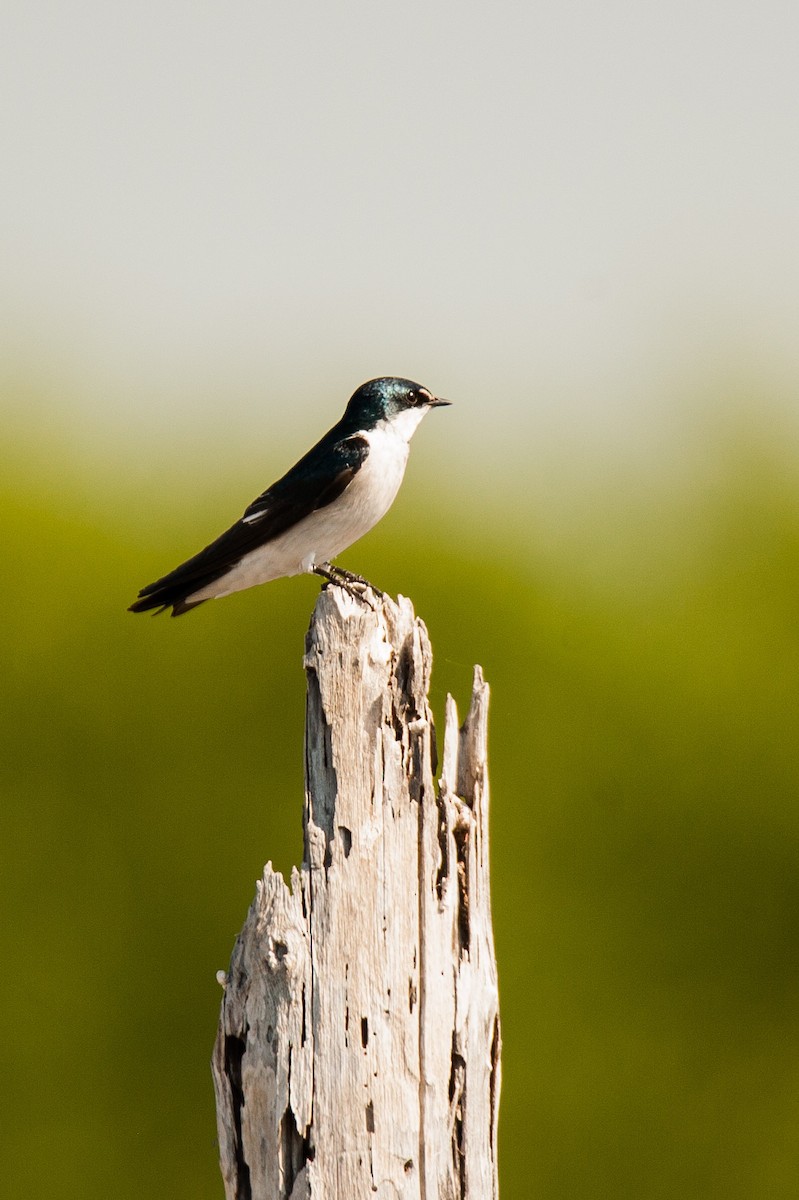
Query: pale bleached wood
x,y
358,1051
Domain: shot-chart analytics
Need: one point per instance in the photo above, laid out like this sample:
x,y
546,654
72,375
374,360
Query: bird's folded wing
x,y
316,481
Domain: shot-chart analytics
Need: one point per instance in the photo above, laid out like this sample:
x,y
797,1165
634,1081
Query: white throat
x,y
403,424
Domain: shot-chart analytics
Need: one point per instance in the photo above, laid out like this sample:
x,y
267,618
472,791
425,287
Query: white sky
x,y
550,208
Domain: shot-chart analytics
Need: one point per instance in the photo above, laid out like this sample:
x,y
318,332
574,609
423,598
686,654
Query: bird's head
x,y
400,403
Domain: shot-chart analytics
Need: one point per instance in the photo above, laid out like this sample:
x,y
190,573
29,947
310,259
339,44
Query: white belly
x,y
324,534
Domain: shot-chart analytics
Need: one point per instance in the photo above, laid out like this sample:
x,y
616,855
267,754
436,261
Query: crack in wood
x,y
235,1048
493,1085
457,1100
319,764
295,1152
461,834
346,839
442,833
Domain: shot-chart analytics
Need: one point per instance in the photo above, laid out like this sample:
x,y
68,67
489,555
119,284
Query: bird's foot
x,y
356,585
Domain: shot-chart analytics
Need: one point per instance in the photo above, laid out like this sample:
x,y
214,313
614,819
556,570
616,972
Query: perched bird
x,y
329,499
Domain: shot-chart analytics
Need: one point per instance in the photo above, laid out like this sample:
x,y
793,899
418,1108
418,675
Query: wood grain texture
x,y
358,1051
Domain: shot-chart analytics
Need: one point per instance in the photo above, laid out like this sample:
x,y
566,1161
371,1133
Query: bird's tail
x,y
157,603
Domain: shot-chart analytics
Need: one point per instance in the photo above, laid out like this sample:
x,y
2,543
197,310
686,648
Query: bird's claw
x,y
355,585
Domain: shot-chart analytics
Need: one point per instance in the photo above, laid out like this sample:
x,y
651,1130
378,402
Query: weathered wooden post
x,y
358,1051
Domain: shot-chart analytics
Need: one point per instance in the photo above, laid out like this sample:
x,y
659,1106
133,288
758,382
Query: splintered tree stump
x,y
358,1051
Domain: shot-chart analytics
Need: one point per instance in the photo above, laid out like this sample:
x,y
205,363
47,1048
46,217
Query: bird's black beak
x,y
436,403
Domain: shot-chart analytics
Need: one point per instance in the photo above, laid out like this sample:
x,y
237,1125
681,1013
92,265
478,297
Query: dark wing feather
x,y
316,481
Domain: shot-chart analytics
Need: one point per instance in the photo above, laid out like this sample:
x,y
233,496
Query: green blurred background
x,y
579,225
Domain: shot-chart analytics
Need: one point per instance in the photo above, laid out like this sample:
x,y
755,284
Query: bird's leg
x,y
357,580
356,585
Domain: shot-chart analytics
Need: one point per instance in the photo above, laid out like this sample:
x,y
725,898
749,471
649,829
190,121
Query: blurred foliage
x,y
645,857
